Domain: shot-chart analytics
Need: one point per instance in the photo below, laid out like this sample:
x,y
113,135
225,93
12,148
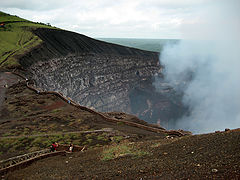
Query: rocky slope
x,y
101,75
30,121
208,156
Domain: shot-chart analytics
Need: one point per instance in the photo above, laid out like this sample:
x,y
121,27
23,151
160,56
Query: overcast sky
x,y
114,18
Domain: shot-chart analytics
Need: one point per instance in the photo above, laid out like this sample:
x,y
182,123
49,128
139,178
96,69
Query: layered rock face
x,y
100,75
94,80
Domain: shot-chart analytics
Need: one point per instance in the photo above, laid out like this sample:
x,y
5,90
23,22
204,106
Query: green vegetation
x,y
120,123
7,17
56,110
33,143
117,139
121,150
16,38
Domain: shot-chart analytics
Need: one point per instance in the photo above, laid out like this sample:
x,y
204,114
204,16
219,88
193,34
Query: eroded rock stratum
x,y
101,75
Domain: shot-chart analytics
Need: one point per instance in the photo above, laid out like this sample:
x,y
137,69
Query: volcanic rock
x,y
100,75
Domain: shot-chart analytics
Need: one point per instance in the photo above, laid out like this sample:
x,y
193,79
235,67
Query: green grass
x,y
120,123
121,150
117,139
28,144
8,17
16,39
56,110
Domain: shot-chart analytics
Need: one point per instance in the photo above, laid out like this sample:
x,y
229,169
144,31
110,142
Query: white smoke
x,y
211,51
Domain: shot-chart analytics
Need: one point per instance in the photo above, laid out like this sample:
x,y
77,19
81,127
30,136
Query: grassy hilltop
x,y
16,38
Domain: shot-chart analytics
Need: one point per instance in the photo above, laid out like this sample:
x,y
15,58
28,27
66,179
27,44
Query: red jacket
x,y
54,146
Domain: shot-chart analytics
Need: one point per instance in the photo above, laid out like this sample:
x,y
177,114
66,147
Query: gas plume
x,y
210,53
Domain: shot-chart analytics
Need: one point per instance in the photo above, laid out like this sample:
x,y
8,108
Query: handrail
x,y
25,159
19,161
21,156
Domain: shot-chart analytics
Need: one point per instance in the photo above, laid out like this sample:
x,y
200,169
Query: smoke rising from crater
x,y
210,51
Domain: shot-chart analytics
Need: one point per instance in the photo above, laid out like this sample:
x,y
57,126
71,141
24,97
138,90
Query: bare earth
x,y
8,79
209,156
25,113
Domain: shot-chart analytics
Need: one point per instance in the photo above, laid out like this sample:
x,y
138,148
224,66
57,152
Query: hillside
x,y
30,121
131,71
97,74
16,39
104,76
60,86
209,156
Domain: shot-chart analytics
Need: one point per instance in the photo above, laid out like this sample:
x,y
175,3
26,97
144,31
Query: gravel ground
x,y
6,79
207,156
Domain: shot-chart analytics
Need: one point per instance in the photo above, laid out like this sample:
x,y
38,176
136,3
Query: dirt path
x,y
6,78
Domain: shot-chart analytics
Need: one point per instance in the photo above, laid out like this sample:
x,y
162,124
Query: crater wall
x,y
104,76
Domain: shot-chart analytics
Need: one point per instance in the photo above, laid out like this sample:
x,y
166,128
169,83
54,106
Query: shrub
x,y
121,150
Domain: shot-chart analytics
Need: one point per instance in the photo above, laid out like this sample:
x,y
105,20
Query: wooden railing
x,y
15,160
22,161
25,159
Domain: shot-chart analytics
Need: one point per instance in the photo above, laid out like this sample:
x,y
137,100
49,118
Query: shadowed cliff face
x,y
101,75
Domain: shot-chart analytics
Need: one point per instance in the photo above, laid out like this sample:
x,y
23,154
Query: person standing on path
x,y
71,147
54,146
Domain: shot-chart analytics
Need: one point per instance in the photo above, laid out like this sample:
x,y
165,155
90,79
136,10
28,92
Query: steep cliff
x,y
101,75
